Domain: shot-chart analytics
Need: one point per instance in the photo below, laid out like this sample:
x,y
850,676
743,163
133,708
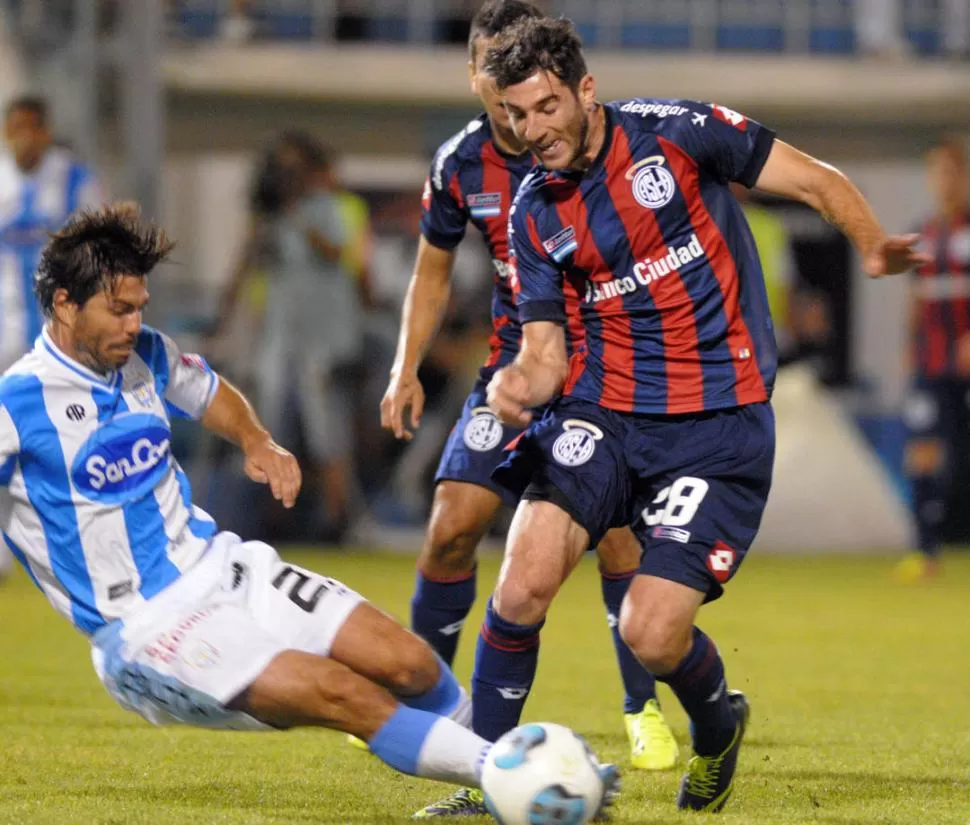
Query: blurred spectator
x,y
937,412
312,326
237,26
879,27
956,27
40,186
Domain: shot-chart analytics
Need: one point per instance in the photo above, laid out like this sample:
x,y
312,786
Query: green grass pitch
x,y
859,690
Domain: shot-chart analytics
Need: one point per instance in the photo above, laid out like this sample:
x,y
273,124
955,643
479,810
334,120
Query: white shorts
x,y
187,652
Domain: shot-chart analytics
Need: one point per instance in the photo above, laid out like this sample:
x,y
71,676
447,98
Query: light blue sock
x,y
442,699
419,743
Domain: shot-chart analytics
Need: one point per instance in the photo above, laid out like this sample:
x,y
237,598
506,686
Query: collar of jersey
x,y
47,348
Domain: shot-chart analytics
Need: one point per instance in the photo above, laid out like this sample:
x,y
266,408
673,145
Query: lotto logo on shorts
x,y
483,432
720,561
577,443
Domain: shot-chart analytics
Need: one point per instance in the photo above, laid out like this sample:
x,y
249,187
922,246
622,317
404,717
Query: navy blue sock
x,y
700,685
638,683
929,494
505,665
439,608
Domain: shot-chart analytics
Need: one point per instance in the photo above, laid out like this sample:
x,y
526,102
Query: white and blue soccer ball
x,y
542,774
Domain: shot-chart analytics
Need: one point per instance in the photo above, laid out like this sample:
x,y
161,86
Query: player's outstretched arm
x,y
793,174
534,378
424,308
231,416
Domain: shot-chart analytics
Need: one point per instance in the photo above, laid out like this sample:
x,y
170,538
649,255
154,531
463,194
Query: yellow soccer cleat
x,y
914,568
360,744
463,802
652,745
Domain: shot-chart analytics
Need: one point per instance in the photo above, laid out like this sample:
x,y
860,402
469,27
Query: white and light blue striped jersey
x,y
92,502
31,206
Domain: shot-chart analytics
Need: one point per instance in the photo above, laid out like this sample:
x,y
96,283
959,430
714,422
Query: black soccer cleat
x,y
709,780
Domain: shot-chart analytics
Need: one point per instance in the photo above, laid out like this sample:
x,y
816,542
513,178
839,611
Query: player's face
x,y
105,328
948,179
483,85
27,137
552,119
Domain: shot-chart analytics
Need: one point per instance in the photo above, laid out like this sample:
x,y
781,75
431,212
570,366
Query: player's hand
x,y
508,395
403,392
268,463
896,254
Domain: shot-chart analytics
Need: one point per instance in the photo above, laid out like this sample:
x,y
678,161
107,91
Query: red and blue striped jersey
x,y
671,293
472,181
942,293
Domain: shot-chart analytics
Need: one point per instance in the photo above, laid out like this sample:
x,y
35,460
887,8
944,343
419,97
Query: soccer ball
x,y
542,774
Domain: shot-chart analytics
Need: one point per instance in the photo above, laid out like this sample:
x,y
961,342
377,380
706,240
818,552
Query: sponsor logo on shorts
x,y
577,443
671,533
201,655
720,561
168,646
483,432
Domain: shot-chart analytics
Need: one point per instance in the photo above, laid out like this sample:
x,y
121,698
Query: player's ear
x,y
587,93
65,310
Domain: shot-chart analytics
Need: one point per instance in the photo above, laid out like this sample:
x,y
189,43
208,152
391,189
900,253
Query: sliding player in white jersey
x,y
188,624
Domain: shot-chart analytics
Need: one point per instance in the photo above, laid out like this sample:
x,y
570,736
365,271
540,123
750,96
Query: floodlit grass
x,y
859,691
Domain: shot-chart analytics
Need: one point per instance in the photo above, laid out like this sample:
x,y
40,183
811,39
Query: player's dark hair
x,y
494,17
29,103
93,249
314,154
535,45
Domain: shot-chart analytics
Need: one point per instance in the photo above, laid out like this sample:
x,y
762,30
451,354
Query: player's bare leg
x,y
301,689
652,744
375,646
657,622
543,548
445,591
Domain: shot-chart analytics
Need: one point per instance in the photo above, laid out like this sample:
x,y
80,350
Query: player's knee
x,y
451,544
659,641
415,668
524,600
925,456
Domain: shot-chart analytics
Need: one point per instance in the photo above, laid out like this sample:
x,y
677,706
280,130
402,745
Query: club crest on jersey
x,y
485,204
653,185
562,244
143,393
123,460
577,443
483,432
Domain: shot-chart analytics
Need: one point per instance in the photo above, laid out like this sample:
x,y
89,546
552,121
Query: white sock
x,y
452,753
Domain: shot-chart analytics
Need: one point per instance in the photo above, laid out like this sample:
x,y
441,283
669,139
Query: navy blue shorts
x,y
938,409
476,446
693,487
